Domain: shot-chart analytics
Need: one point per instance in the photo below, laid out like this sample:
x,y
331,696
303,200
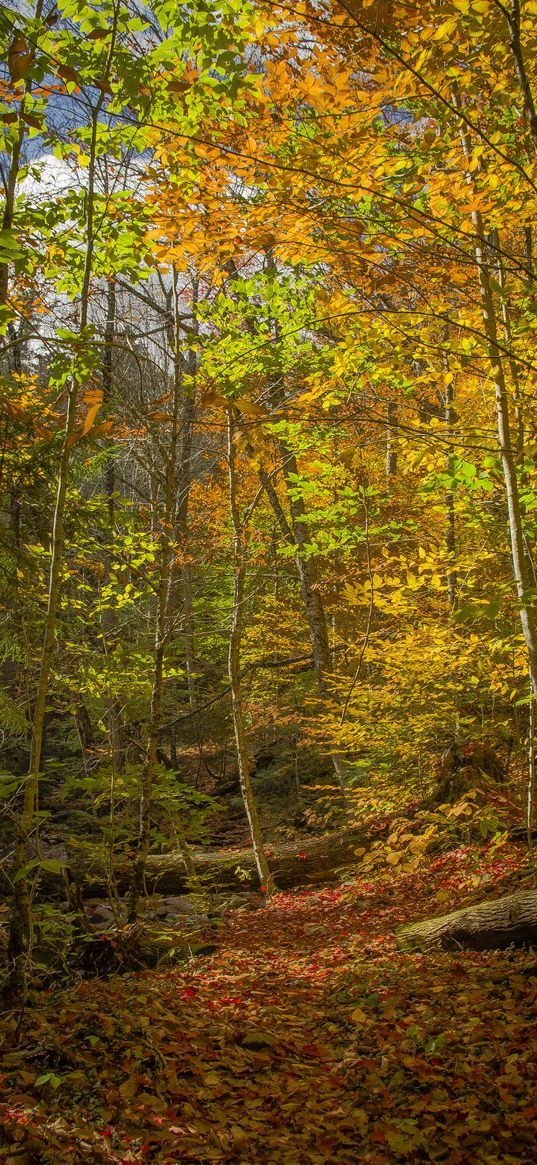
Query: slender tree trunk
x,y
163,628
20,933
451,544
180,590
297,535
507,335
391,443
14,497
86,736
150,765
528,249
8,216
311,596
234,667
189,642
187,435
10,192
115,730
484,263
512,14
530,789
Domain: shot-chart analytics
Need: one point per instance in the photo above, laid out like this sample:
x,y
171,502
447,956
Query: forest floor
x,y
306,1037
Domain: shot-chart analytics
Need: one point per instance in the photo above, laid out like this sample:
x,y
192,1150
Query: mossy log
x,y
298,863
509,921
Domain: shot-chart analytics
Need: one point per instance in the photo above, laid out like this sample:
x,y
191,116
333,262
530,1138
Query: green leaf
x,y
52,865
25,870
10,248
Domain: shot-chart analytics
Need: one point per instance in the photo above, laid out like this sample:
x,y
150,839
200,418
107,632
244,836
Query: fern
x,y
12,718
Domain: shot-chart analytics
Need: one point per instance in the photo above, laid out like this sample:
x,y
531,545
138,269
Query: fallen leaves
x,y
306,1037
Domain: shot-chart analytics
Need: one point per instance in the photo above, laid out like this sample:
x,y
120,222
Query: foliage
x,y
267,388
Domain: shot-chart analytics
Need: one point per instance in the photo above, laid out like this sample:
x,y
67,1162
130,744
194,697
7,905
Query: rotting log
x,y
298,863
509,921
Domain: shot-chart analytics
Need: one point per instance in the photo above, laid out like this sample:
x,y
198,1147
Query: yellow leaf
x,y
358,1016
250,409
458,810
446,29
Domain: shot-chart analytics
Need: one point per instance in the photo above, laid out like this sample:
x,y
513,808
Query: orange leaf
x,y
91,414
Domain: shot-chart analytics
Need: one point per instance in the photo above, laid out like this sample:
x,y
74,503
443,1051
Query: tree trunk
x,y
488,926
163,629
297,535
234,668
512,16
20,933
522,579
108,617
391,443
86,736
10,183
451,546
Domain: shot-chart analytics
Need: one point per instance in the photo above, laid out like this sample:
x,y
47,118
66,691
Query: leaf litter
x,y
306,1037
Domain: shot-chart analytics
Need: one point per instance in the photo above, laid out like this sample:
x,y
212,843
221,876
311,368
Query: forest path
x,y
306,1037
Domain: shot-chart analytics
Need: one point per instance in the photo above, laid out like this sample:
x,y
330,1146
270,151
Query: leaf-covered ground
x,y
307,1037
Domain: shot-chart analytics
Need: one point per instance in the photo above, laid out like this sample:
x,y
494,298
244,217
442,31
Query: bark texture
x,y
234,667
509,921
296,864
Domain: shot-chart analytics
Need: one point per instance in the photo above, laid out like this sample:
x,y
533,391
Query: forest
x,y
268,582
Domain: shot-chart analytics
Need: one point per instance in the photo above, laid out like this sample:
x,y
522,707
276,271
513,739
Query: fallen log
x,y
509,921
301,863
295,864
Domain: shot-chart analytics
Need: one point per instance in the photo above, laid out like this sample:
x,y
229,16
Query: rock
x,y
101,914
180,904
